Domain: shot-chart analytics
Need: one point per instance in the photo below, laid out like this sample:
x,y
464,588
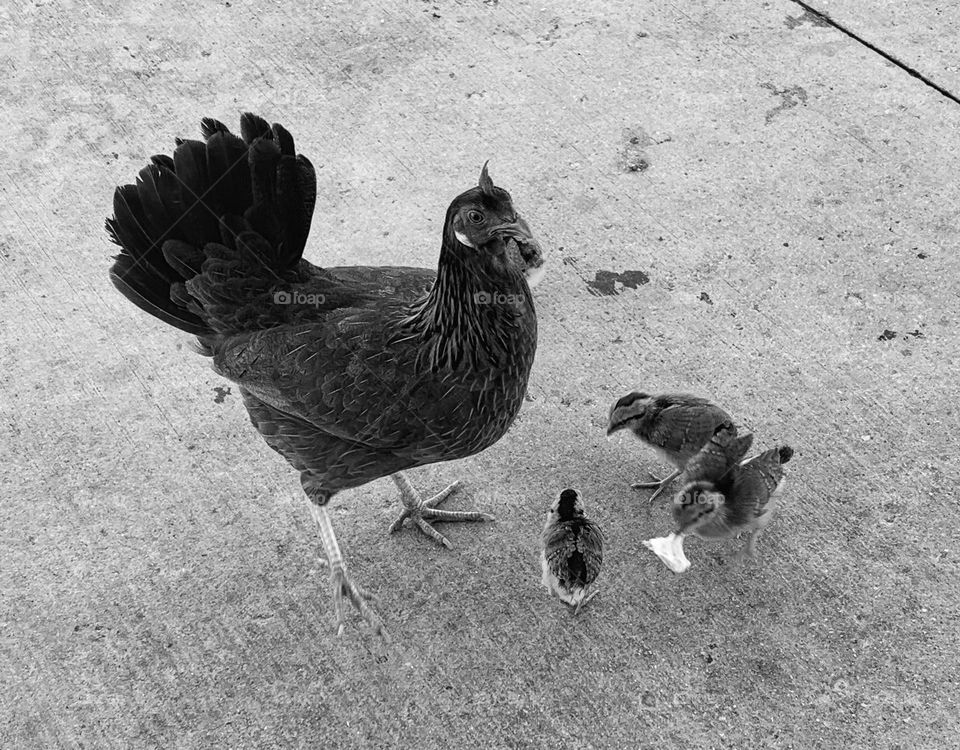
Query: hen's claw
x,y
343,585
421,511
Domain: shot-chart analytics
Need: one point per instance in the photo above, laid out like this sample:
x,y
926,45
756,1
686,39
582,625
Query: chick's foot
x,y
421,511
660,484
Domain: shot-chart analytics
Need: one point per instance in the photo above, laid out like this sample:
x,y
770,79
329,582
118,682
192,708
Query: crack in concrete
x,y
874,48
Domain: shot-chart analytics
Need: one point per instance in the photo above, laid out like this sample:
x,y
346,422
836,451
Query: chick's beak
x,y
613,428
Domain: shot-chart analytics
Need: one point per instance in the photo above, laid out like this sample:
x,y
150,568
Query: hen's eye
x,y
474,217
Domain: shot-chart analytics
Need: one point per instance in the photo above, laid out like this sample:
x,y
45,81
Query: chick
x,y
675,425
739,500
746,505
572,551
715,462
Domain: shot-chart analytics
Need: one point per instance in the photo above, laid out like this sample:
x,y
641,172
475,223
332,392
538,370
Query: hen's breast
x,y
469,408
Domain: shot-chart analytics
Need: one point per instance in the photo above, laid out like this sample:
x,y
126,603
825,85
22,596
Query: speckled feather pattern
x,y
572,556
717,461
749,497
754,485
678,425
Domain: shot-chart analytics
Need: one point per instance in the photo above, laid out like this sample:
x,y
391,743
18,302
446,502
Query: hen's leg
x,y
660,484
340,582
421,511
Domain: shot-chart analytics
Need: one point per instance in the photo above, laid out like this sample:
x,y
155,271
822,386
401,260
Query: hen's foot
x,y
660,484
342,586
422,511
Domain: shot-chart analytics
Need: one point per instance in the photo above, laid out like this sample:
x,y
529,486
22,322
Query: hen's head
x,y
696,504
483,226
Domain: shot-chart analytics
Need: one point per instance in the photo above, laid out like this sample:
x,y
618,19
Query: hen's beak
x,y
530,250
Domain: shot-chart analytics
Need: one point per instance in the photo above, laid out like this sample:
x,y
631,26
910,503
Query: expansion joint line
x,y
874,48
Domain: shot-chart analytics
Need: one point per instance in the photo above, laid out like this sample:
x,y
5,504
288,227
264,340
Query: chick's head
x,y
695,504
567,506
628,411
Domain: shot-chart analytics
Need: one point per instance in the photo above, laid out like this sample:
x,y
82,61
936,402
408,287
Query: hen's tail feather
x,y
209,232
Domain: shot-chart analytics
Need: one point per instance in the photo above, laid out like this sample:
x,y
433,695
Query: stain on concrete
x,y
222,394
704,297
790,97
605,283
552,33
887,335
807,16
633,149
633,157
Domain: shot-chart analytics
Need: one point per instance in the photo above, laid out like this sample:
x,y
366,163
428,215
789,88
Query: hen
x,y
351,374
675,425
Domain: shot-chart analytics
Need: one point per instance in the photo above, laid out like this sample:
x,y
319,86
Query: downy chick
x,y
716,463
742,499
675,425
704,510
572,551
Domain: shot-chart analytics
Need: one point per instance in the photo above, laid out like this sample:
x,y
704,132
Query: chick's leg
x,y
583,602
751,548
660,484
341,584
422,511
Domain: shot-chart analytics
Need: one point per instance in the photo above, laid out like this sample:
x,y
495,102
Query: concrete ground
x,y
738,201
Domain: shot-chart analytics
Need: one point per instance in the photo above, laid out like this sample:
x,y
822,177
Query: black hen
x,y
351,374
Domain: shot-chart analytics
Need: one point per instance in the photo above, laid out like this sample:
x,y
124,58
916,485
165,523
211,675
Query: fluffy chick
x,y
742,500
572,551
675,425
717,463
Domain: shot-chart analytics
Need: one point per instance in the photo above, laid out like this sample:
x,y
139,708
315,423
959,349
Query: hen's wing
x,y
378,282
349,376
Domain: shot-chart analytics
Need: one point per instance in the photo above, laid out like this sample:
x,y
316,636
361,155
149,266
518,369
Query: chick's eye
x,y
474,217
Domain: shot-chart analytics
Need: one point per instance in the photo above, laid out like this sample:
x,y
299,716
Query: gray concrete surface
x,y
789,195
